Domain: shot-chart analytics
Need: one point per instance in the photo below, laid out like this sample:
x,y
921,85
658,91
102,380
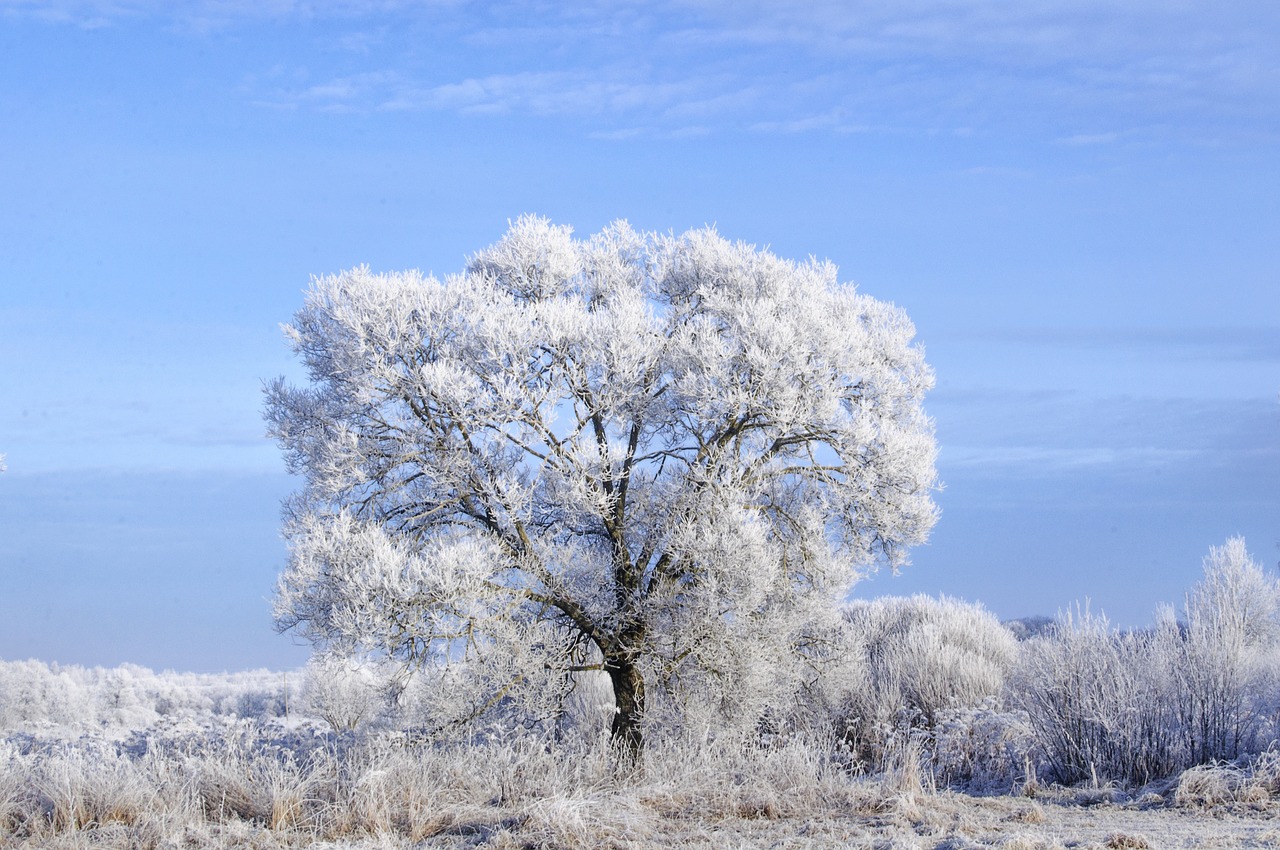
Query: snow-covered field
x,y
193,795
234,768
950,731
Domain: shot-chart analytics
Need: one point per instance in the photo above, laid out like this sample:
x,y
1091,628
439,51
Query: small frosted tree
x,y
1226,667
660,457
344,692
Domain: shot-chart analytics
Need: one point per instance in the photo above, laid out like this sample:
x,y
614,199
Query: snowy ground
x,y
940,822
243,784
130,759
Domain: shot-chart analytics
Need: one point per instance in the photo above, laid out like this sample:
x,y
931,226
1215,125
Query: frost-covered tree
x,y
663,457
1226,662
344,692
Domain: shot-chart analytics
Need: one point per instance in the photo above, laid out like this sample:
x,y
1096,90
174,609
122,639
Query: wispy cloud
x,y
831,119
1047,433
1091,139
1258,344
538,93
206,14
1061,70
1000,171
1054,460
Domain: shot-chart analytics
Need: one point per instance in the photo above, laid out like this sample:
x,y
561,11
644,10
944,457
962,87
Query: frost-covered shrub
x,y
983,748
1226,659
793,681
923,657
258,703
1097,700
1025,628
1138,706
34,694
125,696
346,693
500,685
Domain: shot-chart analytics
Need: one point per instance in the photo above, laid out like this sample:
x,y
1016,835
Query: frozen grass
x,y
271,785
1254,783
1167,735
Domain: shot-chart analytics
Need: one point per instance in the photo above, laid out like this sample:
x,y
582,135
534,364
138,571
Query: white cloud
x,y
999,171
829,120
1256,344
1037,434
623,134
1091,139
1051,69
1045,460
210,14
530,93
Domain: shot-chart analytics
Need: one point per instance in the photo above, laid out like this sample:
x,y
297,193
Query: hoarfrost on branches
x,y
661,457
1137,705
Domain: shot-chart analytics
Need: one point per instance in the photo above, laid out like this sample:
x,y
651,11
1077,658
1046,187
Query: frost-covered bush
x,y
794,678
125,696
983,748
1097,700
35,694
1226,659
346,693
32,692
923,657
1136,706
1025,628
500,688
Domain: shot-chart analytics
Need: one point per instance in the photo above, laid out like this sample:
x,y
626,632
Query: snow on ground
x,y
942,822
236,783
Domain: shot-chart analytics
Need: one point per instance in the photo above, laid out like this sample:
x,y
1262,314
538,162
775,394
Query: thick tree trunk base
x,y
626,733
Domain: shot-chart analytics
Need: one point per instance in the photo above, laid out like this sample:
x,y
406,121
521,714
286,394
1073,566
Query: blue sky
x,y
1078,204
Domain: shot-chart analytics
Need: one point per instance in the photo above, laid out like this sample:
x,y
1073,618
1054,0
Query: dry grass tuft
x,y
1266,771
1032,814
1256,784
1207,785
612,822
1023,841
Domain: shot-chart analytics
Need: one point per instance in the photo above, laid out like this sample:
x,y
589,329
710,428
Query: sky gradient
x,y
1078,205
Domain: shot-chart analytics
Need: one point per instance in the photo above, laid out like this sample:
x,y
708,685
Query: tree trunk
x,y
628,700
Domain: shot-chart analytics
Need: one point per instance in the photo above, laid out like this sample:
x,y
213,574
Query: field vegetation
x,y
941,729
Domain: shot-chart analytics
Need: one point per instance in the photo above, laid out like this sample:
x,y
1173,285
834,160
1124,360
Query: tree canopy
x,y
663,457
